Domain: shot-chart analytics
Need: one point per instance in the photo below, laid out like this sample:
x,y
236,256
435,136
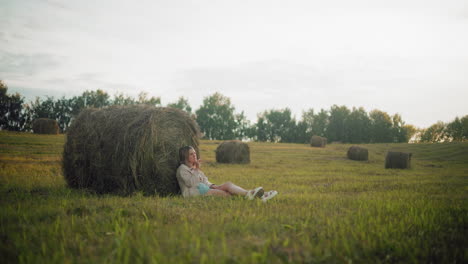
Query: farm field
x,y
329,209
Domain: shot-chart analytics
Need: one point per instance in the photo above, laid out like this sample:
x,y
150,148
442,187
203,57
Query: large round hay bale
x,y
398,160
233,151
122,149
45,126
317,141
358,153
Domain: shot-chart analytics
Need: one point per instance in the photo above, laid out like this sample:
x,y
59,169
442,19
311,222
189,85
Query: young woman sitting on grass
x,y
193,182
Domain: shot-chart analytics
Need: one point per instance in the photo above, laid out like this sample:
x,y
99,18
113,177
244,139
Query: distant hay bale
x,y
358,153
398,160
317,141
45,126
122,149
233,151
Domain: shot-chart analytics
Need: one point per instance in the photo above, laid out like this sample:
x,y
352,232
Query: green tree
x,y
277,125
27,114
397,128
304,128
216,117
381,127
243,127
408,131
120,99
58,110
11,107
464,121
321,121
402,132
300,134
312,124
336,130
63,113
357,126
76,103
98,98
457,130
143,99
261,133
181,104
43,109
435,133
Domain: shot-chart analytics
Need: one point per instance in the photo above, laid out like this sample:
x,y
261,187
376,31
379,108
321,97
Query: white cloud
x,y
395,55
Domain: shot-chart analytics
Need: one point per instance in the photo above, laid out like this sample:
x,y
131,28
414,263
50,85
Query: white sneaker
x,y
268,195
255,193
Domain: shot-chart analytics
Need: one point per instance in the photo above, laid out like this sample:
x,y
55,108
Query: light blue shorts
x,y
203,188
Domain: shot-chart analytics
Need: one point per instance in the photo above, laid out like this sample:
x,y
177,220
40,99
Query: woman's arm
x,y
186,178
207,182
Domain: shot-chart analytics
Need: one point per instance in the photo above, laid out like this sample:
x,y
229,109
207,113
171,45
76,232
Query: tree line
x,y
218,119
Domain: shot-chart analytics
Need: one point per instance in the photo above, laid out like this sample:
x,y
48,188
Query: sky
x,y
402,56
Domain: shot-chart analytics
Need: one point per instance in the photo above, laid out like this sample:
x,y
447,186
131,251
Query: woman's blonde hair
x,y
184,153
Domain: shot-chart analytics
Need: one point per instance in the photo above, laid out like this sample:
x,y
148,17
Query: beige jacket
x,y
189,179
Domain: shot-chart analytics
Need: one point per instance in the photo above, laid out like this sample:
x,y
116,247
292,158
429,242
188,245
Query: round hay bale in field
x,y
358,153
398,160
233,151
122,149
317,141
45,126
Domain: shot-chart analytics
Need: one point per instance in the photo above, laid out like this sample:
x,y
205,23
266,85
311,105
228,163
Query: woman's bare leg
x,y
216,192
232,188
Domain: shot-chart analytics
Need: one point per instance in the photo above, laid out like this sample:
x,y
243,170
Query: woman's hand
x,y
197,164
213,186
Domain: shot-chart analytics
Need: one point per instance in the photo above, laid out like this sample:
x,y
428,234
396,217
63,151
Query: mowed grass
x,y
329,209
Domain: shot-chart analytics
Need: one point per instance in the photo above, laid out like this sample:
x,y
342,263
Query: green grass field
x,y
329,209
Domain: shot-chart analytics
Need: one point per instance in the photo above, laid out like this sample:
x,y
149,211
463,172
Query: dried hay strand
x,y
233,151
45,126
123,149
398,160
317,141
358,153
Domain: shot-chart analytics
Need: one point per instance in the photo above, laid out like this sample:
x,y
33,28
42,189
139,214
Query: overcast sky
x,y
408,57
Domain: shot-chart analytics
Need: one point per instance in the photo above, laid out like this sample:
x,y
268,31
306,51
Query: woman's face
x,y
192,157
